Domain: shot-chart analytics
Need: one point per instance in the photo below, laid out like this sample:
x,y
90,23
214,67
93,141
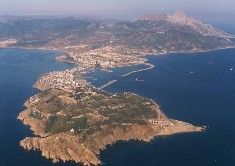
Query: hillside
x,y
152,33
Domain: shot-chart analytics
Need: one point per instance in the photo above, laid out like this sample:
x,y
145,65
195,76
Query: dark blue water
x,y
19,69
101,77
206,97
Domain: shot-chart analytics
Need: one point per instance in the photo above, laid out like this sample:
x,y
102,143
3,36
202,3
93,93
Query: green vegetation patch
x,y
91,110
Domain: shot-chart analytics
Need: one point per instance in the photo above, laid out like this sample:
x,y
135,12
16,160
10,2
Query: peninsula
x,y
76,125
73,120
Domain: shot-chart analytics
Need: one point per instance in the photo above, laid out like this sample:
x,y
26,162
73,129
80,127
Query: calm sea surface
x,y
19,69
198,88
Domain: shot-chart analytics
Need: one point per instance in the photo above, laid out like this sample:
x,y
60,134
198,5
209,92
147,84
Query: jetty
x,y
135,71
105,85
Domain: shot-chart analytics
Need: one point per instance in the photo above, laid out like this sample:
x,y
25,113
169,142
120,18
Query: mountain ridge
x,y
181,18
149,34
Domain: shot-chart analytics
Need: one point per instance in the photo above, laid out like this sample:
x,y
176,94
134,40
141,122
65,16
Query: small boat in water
x,y
138,80
231,69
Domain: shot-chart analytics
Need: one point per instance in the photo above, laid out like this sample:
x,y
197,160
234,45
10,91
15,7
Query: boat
x,y
138,80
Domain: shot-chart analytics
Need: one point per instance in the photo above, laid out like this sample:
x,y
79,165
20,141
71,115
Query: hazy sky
x,y
118,8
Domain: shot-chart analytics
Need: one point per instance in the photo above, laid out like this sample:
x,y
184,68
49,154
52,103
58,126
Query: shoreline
x,y
37,143
55,146
149,54
84,71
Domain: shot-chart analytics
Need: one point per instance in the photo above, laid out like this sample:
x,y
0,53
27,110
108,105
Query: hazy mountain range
x,y
152,32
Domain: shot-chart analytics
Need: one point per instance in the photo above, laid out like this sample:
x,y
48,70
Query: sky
x,y
124,9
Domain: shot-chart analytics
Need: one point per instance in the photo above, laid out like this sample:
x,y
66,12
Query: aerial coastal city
x,y
104,59
71,119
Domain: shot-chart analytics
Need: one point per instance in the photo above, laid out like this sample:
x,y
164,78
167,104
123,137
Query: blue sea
x,y
198,88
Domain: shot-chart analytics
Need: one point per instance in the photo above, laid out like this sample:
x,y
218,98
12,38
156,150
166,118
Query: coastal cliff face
x,y
61,147
67,147
84,143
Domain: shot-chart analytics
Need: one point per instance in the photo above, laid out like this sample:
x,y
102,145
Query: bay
x,y
198,88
